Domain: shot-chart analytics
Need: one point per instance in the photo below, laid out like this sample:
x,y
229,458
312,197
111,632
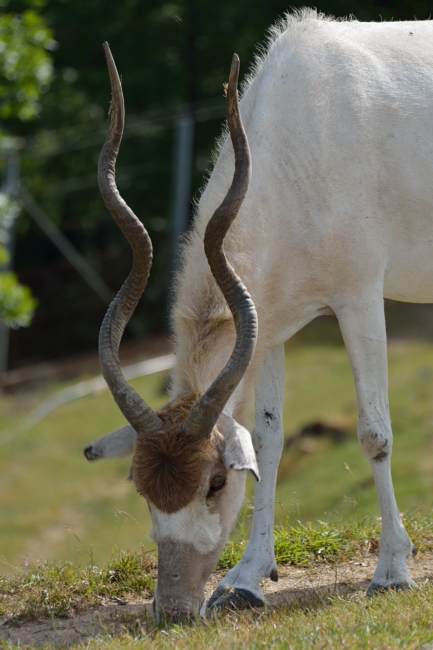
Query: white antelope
x,y
335,213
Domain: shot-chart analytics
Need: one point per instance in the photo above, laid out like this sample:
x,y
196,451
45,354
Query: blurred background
x,y
62,259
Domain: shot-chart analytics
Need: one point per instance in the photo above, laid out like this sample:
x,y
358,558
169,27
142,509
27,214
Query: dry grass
x,y
63,589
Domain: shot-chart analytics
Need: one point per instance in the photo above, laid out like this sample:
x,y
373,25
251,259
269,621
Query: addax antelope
x,y
320,202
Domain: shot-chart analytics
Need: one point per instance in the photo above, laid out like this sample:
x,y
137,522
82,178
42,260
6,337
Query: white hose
x,y
82,389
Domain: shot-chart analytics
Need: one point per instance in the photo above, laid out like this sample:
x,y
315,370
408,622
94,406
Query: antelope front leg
x,y
363,327
240,588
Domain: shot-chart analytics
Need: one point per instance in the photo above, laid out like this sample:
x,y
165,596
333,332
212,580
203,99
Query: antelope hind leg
x,y
362,324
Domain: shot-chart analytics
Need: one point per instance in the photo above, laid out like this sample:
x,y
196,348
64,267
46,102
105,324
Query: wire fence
x,y
82,389
48,144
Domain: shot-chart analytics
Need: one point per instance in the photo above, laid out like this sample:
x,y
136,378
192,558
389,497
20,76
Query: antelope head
x,y
189,458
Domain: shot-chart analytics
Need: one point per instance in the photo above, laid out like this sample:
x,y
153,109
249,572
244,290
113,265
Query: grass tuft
x,y
307,544
60,589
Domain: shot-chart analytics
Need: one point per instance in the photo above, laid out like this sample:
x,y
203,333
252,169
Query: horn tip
x,y
234,70
107,52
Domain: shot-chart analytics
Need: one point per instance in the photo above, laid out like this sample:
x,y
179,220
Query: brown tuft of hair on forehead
x,y
167,464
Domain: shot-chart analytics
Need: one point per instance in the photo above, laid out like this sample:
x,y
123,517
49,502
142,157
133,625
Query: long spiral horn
x,y
206,410
133,407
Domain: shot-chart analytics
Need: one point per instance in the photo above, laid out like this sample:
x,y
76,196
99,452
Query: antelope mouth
x,y
174,615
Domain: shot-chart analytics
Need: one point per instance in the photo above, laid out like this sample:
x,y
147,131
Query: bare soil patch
x,y
307,586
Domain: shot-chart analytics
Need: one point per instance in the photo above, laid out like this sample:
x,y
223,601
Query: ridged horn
x,y
134,408
208,407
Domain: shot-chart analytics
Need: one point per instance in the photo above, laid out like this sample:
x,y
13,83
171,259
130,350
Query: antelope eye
x,y
216,484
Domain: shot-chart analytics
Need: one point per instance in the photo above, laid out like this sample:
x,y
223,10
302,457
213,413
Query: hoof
x,y
274,575
236,599
376,588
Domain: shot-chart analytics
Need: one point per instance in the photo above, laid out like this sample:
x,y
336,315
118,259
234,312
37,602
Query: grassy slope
x,y
320,386
50,496
55,505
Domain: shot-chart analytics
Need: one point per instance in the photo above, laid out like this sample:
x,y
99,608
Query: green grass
x,y
317,618
331,542
56,506
320,387
315,622
65,588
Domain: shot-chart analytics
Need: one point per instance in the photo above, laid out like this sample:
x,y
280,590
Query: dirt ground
x,y
349,580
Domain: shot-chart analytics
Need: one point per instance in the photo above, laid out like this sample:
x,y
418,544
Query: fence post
x,y
9,185
183,147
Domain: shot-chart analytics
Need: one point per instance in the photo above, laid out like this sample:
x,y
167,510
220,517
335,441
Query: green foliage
x,y
25,74
25,64
17,305
4,256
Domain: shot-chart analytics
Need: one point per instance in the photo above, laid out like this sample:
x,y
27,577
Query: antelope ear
x,y
117,444
238,450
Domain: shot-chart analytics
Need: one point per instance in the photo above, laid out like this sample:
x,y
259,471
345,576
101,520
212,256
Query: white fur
x,y
194,525
238,447
197,523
